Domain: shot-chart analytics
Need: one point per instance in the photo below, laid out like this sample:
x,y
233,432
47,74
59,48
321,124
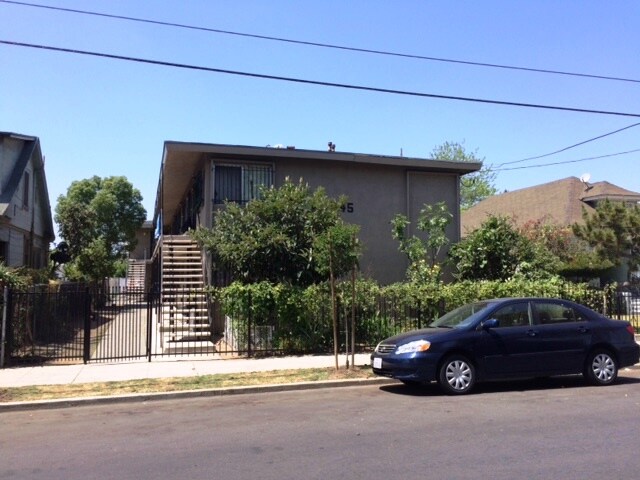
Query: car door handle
x,y
583,330
532,333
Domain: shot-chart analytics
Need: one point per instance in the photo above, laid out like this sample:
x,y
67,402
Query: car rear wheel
x,y
457,375
601,368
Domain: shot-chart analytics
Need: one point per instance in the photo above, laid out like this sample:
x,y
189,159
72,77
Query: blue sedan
x,y
509,338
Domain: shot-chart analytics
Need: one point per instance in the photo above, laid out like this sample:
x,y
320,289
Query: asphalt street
x,y
546,429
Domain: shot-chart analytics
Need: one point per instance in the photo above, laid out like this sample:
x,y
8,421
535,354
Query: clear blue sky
x,y
106,117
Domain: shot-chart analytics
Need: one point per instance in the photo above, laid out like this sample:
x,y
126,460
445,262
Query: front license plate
x,y
377,362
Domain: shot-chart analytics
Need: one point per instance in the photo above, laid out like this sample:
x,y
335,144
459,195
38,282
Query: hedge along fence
x,y
300,321
457,294
297,320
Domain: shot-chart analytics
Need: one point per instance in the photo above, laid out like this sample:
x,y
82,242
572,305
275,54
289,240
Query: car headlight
x,y
412,347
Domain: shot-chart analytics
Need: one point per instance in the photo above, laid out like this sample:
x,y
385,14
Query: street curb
x,y
213,392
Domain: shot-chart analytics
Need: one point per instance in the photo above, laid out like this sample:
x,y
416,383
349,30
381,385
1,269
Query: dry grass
x,y
153,385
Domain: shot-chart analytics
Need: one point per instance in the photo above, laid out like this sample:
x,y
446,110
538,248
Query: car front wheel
x,y
457,375
601,368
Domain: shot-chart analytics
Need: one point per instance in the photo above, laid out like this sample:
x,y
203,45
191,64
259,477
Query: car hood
x,y
424,333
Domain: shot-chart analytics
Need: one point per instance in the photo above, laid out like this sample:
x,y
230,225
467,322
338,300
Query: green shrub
x,y
300,318
12,278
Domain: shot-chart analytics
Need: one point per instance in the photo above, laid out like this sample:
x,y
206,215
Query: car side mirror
x,y
491,323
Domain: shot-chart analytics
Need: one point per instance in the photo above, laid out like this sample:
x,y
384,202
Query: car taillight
x,y
631,330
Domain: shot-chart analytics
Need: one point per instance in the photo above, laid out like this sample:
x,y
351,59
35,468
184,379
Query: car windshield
x,y
460,317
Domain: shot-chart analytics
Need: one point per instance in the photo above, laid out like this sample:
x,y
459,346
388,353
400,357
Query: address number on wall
x,y
347,207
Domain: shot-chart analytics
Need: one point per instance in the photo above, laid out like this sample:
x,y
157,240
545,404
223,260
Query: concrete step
x,y
182,266
182,329
186,314
187,275
184,308
179,297
188,347
193,318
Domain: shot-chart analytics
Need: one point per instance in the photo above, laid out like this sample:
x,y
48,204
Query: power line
x,y
564,162
569,147
319,83
325,45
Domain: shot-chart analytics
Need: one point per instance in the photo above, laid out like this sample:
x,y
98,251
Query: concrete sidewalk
x,y
176,367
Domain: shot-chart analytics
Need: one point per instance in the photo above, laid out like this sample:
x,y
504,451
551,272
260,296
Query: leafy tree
x,y
98,219
474,187
423,252
613,230
337,251
497,251
577,260
274,238
60,254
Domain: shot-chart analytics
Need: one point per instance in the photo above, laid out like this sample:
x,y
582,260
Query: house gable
x,y
26,225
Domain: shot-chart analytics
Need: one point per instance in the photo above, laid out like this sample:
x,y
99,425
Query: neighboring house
x,y
195,180
557,203
26,226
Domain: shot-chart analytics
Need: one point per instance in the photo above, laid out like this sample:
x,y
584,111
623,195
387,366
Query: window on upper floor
x,y
240,183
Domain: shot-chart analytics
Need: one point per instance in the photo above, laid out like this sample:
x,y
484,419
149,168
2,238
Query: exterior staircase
x,y
184,320
136,275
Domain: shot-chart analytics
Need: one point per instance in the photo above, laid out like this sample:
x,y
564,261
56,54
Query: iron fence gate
x,y
75,323
42,325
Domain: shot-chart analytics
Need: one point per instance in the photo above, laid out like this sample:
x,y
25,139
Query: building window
x,y
25,190
240,184
3,252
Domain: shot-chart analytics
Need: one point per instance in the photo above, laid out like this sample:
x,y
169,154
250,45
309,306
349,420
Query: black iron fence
x,y
625,305
41,324
76,323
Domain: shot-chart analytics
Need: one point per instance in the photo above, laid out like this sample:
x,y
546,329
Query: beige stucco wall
x,y
142,251
377,193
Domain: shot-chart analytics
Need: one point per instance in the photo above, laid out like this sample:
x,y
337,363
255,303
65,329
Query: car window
x,y
461,316
553,313
514,315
